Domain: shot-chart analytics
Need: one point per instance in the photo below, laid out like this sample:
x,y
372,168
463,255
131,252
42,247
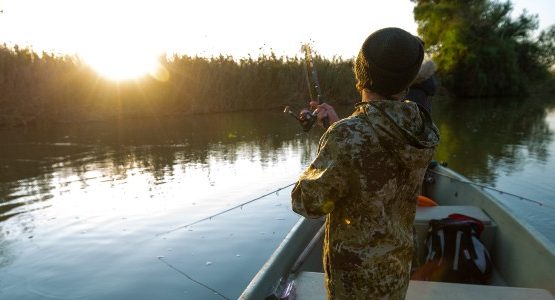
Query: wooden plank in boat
x,y
310,286
425,214
453,291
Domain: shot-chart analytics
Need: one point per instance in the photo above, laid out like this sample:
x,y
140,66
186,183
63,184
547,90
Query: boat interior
x,y
523,260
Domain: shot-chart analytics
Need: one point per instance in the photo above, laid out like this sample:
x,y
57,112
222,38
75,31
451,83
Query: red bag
x,y
455,252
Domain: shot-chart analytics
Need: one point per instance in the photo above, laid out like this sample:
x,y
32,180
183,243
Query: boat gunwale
x,y
506,246
493,207
279,265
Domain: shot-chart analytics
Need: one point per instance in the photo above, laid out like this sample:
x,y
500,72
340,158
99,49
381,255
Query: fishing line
x,y
493,189
209,218
223,212
192,279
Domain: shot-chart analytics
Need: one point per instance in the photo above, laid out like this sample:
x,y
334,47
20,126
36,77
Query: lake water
x,y
103,210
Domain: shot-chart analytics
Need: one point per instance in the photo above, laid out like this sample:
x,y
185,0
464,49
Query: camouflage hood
x,y
401,127
365,178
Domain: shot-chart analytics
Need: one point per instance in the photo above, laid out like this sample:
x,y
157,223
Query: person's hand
x,y
313,104
325,110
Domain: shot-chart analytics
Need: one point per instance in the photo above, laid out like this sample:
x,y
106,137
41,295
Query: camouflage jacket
x,y
365,178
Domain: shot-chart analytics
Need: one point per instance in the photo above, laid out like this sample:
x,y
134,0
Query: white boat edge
x,y
522,256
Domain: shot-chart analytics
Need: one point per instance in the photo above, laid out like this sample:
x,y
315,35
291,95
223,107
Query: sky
x,y
110,31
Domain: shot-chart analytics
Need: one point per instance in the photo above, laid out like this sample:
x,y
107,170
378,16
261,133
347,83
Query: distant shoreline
x,y
47,89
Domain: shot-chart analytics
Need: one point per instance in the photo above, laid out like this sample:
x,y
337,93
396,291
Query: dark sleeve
x,y
429,86
422,92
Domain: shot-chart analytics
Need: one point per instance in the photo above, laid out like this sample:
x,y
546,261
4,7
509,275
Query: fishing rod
x,y
192,279
306,117
224,211
284,187
483,186
162,259
206,286
289,185
311,75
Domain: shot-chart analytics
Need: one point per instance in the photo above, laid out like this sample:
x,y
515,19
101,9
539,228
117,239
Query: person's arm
x,y
326,180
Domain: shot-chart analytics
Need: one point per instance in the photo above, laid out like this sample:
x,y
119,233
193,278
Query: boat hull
x,y
522,257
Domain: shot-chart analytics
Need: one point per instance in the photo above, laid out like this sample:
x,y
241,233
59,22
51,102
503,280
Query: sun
x,y
122,63
121,43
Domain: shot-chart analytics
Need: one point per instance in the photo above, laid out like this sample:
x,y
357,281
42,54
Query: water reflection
x,y
508,144
97,195
37,161
481,139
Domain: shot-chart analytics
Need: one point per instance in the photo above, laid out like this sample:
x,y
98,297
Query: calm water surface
x,y
100,210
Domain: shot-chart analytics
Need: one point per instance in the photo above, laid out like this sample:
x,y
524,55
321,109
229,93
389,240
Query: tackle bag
x,y
455,252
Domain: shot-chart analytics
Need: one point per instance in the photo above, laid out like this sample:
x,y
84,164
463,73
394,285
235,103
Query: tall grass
x,y
45,88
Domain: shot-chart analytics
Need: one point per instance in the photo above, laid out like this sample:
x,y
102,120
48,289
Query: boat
x,y
523,259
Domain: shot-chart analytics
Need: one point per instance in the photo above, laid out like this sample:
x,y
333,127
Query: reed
x,y
45,88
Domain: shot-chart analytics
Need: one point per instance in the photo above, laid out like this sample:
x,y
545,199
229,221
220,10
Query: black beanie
x,y
388,61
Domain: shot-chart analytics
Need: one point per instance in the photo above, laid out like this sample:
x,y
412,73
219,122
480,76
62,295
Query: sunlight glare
x,y
122,65
122,44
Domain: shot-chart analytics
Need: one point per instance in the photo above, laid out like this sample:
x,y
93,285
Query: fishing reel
x,y
305,117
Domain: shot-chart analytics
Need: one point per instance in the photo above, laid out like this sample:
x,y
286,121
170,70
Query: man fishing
x,y
368,172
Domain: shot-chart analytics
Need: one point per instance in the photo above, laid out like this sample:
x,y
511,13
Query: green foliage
x,y
546,41
46,88
479,49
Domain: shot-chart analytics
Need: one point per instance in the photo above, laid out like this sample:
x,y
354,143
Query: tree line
x,y
48,88
479,49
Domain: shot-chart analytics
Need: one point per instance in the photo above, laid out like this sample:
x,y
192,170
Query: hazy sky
x,y
208,27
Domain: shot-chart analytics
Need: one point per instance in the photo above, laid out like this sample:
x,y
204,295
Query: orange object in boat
x,y
425,201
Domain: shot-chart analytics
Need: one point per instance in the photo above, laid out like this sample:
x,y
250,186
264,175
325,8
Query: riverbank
x,y
45,89
42,90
